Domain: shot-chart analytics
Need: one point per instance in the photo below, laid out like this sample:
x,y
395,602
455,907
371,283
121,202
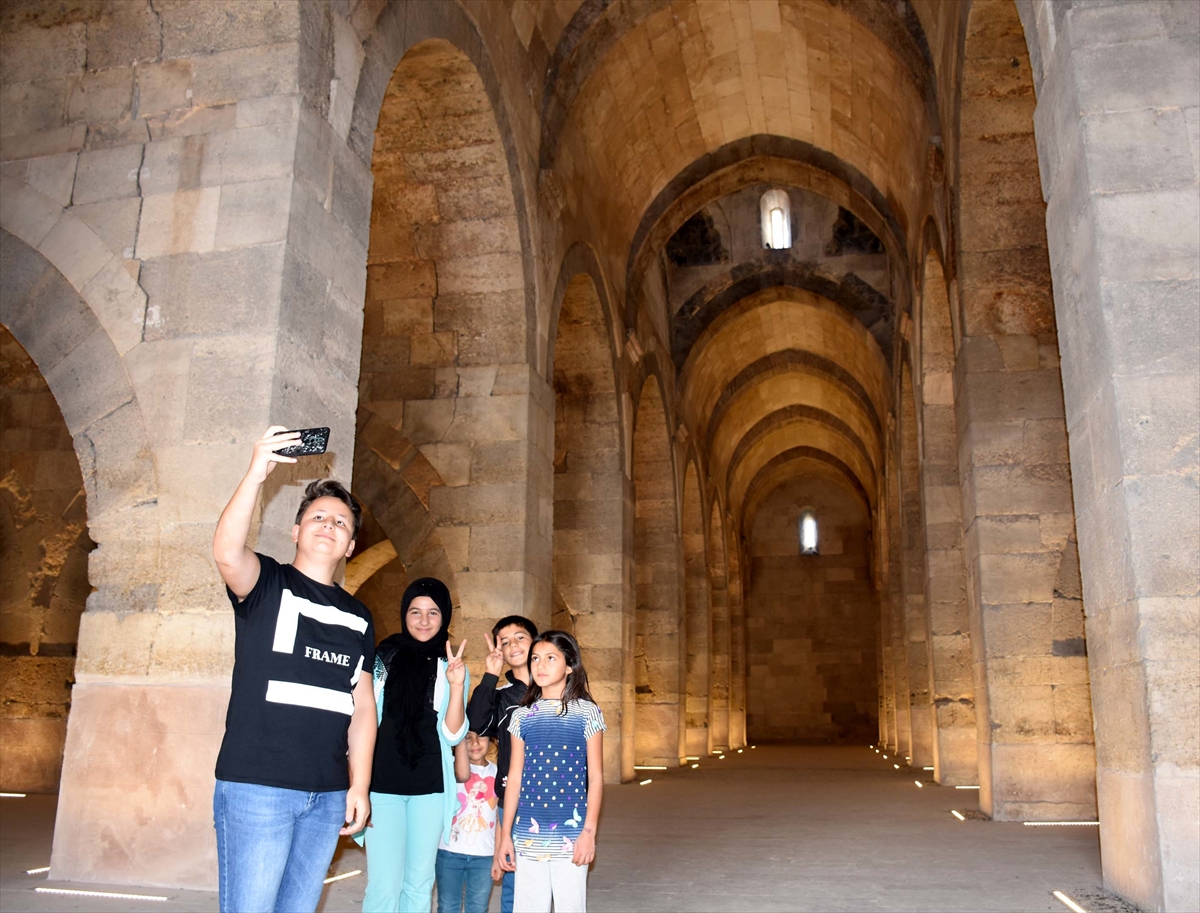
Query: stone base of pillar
x,y
135,804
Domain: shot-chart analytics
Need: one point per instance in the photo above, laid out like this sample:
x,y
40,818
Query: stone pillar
x,y
912,572
1036,759
1117,120
188,184
953,694
737,642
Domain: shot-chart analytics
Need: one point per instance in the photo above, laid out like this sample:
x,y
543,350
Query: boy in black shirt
x,y
492,704
295,763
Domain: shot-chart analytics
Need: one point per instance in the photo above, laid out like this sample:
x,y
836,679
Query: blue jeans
x,y
274,846
402,852
456,871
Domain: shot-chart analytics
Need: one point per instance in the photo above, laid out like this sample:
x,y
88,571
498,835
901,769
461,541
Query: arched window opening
x,y
776,212
808,533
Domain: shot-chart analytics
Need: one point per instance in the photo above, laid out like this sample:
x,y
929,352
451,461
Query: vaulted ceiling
x,y
653,110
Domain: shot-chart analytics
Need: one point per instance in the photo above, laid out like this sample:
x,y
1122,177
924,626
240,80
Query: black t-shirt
x,y
395,775
300,648
489,712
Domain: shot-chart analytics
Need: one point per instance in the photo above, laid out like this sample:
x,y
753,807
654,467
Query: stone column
x,y
1036,758
1118,133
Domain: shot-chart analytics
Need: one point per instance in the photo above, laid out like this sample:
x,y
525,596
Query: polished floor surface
x,y
771,829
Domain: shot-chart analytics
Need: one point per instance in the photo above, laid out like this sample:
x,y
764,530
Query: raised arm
x,y
462,762
456,676
361,754
481,709
235,559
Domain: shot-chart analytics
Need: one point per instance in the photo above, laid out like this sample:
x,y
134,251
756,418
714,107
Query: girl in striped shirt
x,y
555,782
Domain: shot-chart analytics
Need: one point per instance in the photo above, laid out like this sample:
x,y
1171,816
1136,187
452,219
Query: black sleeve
x,y
481,709
268,582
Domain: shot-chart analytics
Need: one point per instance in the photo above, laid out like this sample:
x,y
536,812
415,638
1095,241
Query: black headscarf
x,y
412,668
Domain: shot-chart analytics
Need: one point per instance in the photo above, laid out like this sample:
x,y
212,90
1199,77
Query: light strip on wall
x,y
158,898
12,795
44,868
753,746
739,751
1062,823
648,767
1068,903
333,878
966,787
897,766
957,815
696,758
920,785
926,768
646,782
694,766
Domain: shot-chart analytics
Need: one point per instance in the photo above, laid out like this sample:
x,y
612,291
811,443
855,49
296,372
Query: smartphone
x,y
312,441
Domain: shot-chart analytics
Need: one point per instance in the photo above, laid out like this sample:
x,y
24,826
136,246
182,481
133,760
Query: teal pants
x,y
402,852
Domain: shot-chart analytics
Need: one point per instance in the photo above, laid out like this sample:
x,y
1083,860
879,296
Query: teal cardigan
x,y
441,702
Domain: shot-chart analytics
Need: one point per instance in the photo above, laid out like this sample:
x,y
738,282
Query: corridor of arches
x,y
794,355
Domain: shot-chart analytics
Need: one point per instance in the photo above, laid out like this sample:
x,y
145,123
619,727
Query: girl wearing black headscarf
x,y
421,692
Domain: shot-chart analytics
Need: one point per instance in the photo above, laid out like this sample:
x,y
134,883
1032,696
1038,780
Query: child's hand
x,y
506,854
264,459
493,663
456,668
497,872
585,848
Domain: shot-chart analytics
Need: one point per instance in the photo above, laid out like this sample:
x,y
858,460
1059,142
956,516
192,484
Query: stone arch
x,y
447,355
1018,511
589,553
697,618
97,274
656,664
394,35
77,357
596,28
776,161
952,695
394,482
43,574
720,696
580,260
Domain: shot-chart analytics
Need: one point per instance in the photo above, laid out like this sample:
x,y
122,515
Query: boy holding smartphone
x,y
295,763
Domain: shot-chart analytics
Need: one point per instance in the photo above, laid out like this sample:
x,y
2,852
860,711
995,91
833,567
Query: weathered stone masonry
x,y
511,252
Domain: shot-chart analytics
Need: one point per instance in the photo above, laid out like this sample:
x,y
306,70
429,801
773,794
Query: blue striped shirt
x,y
554,779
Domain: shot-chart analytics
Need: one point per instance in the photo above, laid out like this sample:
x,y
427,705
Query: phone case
x,y
312,442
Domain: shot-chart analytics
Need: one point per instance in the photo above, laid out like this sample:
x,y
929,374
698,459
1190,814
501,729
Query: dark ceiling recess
x,y
697,243
850,236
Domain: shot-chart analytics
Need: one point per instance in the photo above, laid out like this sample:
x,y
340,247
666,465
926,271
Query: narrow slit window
x,y
808,533
776,211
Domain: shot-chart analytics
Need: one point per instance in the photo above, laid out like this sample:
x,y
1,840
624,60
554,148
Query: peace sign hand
x,y
493,663
456,669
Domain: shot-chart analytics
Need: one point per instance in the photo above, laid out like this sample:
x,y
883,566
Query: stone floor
x,y
771,829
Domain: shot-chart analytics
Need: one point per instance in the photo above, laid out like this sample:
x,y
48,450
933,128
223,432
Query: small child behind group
x,y
465,863
555,782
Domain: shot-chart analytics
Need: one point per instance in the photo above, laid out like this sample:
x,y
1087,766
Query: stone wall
x,y
810,638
